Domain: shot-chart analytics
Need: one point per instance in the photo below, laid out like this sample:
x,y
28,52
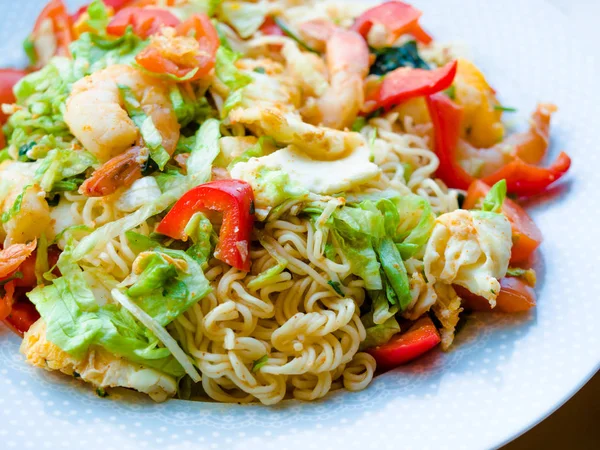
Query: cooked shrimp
x,y
32,216
347,58
96,116
530,146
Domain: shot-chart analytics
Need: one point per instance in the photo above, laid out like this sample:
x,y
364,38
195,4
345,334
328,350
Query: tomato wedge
x,y
405,347
145,21
397,17
51,33
22,316
162,61
405,83
233,198
515,296
8,78
526,235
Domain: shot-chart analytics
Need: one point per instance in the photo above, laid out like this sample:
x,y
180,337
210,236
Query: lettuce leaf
x,y
245,18
42,97
395,272
204,239
231,76
163,291
98,17
75,321
93,52
378,334
188,110
495,197
416,224
61,164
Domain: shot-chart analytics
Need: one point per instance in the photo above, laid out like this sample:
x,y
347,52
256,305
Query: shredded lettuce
x,y
62,164
203,237
416,224
41,96
495,197
203,152
75,321
93,52
16,206
139,242
186,109
395,272
148,130
231,76
245,18
162,290
98,17
378,334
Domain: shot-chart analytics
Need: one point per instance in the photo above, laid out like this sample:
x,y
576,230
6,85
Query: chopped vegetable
x,y
230,197
397,17
421,337
145,21
515,296
405,83
391,58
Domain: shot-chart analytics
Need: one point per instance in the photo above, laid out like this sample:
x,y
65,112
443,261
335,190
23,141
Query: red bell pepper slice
x,y
515,296
521,178
397,17
270,27
145,21
526,235
233,198
526,179
446,117
405,83
198,26
405,347
56,13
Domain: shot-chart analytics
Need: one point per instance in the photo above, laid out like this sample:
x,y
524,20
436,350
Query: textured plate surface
x,y
504,374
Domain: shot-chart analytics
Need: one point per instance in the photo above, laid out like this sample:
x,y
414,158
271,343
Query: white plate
x,y
504,374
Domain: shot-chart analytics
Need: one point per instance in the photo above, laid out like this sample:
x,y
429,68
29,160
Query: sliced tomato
x,y
515,296
405,347
144,21
51,33
397,17
526,235
8,78
235,200
405,83
199,26
22,316
116,5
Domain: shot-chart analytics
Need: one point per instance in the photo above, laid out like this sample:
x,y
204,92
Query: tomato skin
x,y
145,21
198,25
526,235
397,17
405,83
8,79
56,12
22,316
408,346
515,296
233,198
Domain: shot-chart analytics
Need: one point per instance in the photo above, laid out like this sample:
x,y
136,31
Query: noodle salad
x,y
254,201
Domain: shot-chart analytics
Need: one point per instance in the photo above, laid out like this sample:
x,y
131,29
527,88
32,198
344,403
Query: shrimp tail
x,y
118,172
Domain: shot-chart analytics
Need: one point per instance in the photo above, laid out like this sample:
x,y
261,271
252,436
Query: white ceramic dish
x,y
504,374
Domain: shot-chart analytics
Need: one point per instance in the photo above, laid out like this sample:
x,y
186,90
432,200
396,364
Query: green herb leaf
x,y
495,197
391,58
504,108
336,287
286,30
259,363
